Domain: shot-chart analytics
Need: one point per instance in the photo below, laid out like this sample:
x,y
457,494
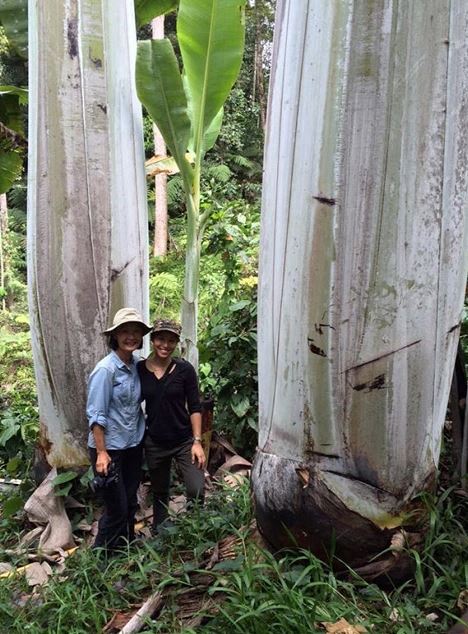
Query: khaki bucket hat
x,y
125,316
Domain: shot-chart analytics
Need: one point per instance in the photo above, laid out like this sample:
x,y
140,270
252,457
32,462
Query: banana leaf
x,y
212,132
160,89
211,38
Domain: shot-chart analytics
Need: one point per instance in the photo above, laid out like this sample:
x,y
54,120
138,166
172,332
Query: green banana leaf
x,y
14,19
159,87
146,10
211,39
212,132
11,164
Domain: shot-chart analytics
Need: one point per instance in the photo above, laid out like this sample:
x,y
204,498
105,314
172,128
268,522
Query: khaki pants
x,y
159,461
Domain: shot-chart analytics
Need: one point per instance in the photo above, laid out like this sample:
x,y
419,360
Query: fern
x,y
242,161
165,292
175,190
17,220
17,196
165,282
245,164
220,173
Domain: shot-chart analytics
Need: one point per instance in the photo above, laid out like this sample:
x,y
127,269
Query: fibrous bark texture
x,y
363,265
87,246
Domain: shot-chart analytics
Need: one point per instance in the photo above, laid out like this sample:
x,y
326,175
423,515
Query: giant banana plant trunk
x,y
87,251
363,265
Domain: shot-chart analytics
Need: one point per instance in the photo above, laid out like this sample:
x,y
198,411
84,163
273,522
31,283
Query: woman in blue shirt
x,y
117,427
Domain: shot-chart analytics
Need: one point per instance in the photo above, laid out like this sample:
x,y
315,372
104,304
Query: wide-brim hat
x,y
125,316
167,325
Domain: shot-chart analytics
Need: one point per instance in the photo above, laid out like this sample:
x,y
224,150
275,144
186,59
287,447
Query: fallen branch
x,y
148,608
189,600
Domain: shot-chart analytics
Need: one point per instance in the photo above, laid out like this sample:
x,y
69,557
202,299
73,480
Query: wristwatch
x,y
197,439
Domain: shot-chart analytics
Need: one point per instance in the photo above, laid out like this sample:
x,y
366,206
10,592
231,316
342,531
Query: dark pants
x,y
159,461
117,523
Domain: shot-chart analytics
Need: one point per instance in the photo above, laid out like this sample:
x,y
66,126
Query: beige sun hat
x,y
125,316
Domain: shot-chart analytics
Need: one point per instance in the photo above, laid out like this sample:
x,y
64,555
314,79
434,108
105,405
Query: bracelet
x,y
197,439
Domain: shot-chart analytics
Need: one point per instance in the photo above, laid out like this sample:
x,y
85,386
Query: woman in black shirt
x,y
169,388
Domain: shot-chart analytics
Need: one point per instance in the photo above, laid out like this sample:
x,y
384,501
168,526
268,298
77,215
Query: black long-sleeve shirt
x,y
169,402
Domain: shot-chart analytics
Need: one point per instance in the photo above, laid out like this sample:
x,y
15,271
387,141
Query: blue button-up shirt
x,y
114,403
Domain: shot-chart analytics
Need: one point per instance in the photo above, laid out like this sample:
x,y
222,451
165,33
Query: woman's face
x,y
129,337
164,343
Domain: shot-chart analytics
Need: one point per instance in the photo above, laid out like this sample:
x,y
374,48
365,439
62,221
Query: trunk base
x,y
294,510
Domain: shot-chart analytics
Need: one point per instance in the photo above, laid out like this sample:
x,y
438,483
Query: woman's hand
x,y
198,455
102,462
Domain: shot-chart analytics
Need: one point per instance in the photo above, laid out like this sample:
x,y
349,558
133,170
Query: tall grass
x,y
253,592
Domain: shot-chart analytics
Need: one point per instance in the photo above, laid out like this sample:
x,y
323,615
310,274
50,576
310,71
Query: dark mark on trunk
x,y
453,328
315,349
331,202
72,36
103,107
115,273
375,384
97,63
383,356
325,455
318,328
